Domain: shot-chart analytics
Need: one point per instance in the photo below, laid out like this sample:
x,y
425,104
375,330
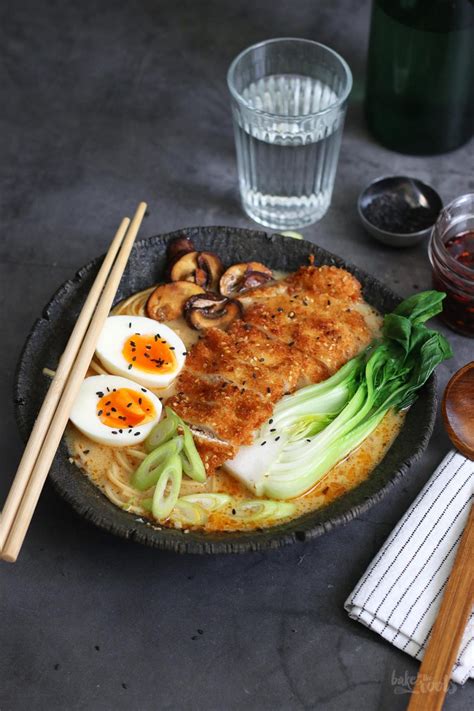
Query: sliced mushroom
x,y
211,311
168,300
179,245
254,279
203,268
246,275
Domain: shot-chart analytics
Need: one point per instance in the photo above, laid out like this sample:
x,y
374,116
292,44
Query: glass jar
x,y
451,252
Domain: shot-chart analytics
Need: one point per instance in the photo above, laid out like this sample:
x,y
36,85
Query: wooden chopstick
x,y
31,486
456,606
56,388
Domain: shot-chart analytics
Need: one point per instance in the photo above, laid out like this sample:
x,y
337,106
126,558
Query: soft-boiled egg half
x,y
140,348
115,411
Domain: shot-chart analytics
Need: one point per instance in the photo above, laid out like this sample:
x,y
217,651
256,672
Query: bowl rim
x,y
302,529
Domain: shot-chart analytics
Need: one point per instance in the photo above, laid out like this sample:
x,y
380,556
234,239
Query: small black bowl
x,y
400,200
147,265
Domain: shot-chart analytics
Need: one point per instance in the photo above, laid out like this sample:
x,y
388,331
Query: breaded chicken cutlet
x,y
293,332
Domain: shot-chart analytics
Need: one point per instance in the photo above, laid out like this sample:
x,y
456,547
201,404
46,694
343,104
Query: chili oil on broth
x,y
111,469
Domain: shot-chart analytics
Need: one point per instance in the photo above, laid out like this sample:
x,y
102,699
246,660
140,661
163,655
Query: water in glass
x,y
287,149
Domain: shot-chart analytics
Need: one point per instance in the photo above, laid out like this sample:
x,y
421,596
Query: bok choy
x,y
319,425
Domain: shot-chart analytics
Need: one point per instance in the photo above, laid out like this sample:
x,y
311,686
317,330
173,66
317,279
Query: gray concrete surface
x,y
105,103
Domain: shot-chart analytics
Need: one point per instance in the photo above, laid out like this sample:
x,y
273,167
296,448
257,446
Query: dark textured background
x,y
103,104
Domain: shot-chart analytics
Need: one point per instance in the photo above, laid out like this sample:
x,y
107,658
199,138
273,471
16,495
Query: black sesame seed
x,y
129,404
273,430
107,414
134,359
130,324
139,401
114,432
114,409
120,431
308,440
269,390
133,344
109,402
262,443
172,348
130,367
234,512
136,434
99,394
100,412
270,422
86,451
277,438
146,355
143,390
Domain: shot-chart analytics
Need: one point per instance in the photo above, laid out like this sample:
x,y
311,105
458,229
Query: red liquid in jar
x,y
458,307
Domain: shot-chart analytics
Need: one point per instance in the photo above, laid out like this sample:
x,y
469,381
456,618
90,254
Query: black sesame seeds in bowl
x,y
398,210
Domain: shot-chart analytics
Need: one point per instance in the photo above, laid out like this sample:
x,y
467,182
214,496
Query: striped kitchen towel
x,y
400,592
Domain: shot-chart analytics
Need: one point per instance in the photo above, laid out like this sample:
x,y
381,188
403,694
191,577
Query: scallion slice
x,y
263,509
150,469
209,502
189,514
163,431
192,462
167,488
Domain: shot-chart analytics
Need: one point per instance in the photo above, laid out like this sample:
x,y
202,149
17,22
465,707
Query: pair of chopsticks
x,y
54,413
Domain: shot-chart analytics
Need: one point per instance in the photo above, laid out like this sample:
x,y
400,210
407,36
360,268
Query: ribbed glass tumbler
x,y
289,100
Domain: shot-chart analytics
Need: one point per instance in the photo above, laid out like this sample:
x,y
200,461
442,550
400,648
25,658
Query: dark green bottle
x,y
420,81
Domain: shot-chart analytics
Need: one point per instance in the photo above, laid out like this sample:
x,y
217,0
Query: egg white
x,y
84,412
118,329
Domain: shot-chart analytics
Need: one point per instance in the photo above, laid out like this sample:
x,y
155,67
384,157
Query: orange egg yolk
x,y
124,408
149,353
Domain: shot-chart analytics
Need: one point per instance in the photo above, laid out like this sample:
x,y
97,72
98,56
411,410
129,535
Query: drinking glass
x,y
289,99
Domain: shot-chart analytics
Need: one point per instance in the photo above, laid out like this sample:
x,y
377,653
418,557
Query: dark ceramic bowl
x,y
146,266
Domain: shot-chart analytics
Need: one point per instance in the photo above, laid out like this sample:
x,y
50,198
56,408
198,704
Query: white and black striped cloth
x,y
400,592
